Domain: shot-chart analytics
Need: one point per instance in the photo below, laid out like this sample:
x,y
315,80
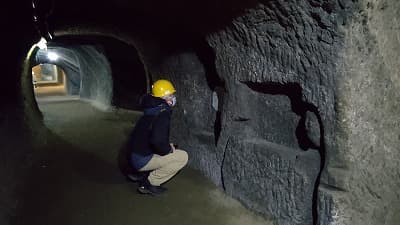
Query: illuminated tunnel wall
x,y
289,106
101,69
88,71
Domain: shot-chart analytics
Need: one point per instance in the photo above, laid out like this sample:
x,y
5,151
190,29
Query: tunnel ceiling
x,y
177,15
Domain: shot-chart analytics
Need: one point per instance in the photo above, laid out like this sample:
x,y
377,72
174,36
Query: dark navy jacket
x,y
151,133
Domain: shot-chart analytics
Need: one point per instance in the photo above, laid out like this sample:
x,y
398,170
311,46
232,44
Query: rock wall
x,y
296,137
96,79
259,124
15,138
368,117
194,118
278,60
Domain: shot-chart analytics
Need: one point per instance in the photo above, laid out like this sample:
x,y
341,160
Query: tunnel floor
x,y
76,180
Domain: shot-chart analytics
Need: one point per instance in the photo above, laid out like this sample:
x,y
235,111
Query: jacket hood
x,y
153,105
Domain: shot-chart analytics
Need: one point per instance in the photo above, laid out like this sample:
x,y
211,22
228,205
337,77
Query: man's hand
x,y
172,147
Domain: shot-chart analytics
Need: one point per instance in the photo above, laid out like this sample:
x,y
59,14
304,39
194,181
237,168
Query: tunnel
x,y
290,110
96,69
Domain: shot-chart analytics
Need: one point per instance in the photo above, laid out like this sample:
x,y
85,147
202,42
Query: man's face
x,y
170,99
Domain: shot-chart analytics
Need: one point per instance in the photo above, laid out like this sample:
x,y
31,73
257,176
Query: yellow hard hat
x,y
162,88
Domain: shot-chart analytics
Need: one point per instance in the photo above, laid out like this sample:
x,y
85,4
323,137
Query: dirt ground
x,y
77,179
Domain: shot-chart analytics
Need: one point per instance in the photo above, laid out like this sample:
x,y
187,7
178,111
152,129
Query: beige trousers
x,y
165,167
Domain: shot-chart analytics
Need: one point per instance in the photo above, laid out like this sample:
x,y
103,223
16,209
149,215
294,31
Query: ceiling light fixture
x,y
42,44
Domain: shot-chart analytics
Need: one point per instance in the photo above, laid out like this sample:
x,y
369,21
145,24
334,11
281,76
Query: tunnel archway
x,y
123,91
72,53
87,58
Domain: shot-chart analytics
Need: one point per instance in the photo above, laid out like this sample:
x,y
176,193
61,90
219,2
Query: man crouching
x,y
151,150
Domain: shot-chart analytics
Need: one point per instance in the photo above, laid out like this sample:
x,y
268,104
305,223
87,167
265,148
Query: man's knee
x,y
183,157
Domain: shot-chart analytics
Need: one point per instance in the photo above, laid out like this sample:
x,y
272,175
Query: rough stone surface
x,y
273,177
368,118
96,80
194,117
249,111
312,128
279,63
282,48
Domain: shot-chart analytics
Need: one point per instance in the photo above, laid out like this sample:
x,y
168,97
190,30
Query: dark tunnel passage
x,y
289,107
101,69
49,79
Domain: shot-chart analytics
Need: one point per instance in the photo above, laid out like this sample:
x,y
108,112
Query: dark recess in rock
x,y
303,130
292,90
207,57
128,73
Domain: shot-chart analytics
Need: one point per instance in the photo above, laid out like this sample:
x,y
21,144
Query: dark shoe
x,y
146,188
137,176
